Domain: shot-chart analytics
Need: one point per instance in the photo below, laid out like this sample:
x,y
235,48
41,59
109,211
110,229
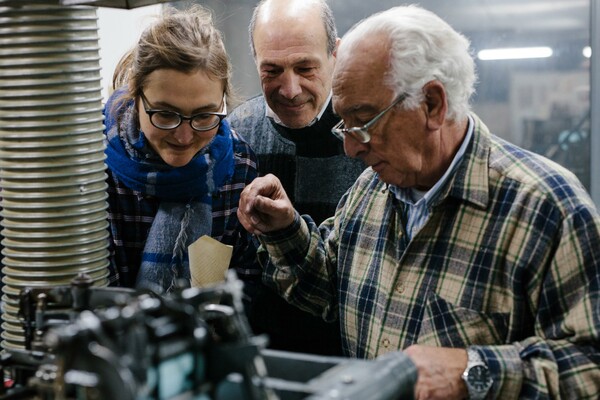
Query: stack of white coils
x,y
52,171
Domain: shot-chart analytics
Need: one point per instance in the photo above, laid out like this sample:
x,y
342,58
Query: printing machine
x,y
85,342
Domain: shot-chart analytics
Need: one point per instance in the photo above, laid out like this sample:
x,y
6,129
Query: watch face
x,y
479,378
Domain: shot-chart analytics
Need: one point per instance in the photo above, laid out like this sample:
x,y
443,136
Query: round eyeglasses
x,y
361,134
166,119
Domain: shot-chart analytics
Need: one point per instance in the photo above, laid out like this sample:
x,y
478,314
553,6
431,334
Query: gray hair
x,y
326,16
423,48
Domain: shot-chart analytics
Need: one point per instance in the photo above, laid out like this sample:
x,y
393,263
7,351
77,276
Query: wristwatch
x,y
477,376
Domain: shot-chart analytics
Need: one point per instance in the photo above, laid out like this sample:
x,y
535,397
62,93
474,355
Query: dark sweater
x,y
315,173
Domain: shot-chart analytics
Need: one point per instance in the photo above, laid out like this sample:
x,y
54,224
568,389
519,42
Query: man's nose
x,y
290,85
354,148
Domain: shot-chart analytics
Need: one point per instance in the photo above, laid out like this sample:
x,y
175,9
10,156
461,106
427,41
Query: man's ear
x,y
436,104
337,46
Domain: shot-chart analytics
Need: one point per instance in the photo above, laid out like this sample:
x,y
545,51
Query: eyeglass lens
x,y
170,120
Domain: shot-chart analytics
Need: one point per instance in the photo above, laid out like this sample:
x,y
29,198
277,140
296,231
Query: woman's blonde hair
x,y
184,40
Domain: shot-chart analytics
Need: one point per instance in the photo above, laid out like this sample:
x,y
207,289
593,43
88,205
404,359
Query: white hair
x,y
423,48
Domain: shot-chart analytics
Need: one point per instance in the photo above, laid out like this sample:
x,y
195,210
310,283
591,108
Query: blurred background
x,y
535,92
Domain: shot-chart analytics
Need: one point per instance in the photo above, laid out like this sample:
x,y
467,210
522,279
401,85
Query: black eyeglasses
x,y
362,133
165,119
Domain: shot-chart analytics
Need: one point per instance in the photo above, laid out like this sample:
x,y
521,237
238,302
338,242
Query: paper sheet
x,y
209,261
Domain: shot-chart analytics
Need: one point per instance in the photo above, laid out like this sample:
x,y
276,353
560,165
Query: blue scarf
x,y
185,193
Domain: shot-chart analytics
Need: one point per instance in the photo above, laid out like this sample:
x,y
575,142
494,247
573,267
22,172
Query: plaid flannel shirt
x,y
508,262
131,214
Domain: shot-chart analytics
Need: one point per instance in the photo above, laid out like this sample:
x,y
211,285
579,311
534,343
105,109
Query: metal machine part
x,y
53,199
85,342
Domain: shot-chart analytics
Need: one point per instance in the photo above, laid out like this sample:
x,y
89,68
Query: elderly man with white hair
x,y
476,258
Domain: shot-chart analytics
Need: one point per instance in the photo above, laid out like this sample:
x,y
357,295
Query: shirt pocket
x,y
447,325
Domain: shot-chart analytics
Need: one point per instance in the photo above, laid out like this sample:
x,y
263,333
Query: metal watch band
x,y
473,357
474,361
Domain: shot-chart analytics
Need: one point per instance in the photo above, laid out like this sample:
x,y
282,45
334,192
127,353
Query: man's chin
x,y
294,124
389,177
295,120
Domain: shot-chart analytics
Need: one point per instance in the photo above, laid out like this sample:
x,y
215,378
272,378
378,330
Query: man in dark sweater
x,y
294,45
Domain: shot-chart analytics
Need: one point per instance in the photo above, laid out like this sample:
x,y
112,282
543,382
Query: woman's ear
x,y
436,104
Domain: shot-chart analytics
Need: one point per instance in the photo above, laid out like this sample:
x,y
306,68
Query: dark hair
x,y
326,15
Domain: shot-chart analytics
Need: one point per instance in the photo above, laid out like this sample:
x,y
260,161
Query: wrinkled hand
x,y
264,206
440,372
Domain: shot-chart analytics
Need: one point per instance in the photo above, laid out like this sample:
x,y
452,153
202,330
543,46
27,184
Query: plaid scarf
x,y
185,193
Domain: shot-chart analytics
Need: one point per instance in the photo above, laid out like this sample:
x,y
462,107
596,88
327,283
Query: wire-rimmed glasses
x,y
361,134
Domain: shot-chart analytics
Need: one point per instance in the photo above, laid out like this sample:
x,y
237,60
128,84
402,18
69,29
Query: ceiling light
x,y
587,52
514,53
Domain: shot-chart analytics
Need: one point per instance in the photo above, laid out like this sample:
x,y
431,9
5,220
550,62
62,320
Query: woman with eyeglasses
x,y
175,168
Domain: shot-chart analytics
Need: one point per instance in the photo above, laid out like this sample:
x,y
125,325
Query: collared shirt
x,y
417,204
508,262
271,114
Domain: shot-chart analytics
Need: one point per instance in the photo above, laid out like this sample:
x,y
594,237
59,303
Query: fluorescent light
x,y
587,52
515,53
